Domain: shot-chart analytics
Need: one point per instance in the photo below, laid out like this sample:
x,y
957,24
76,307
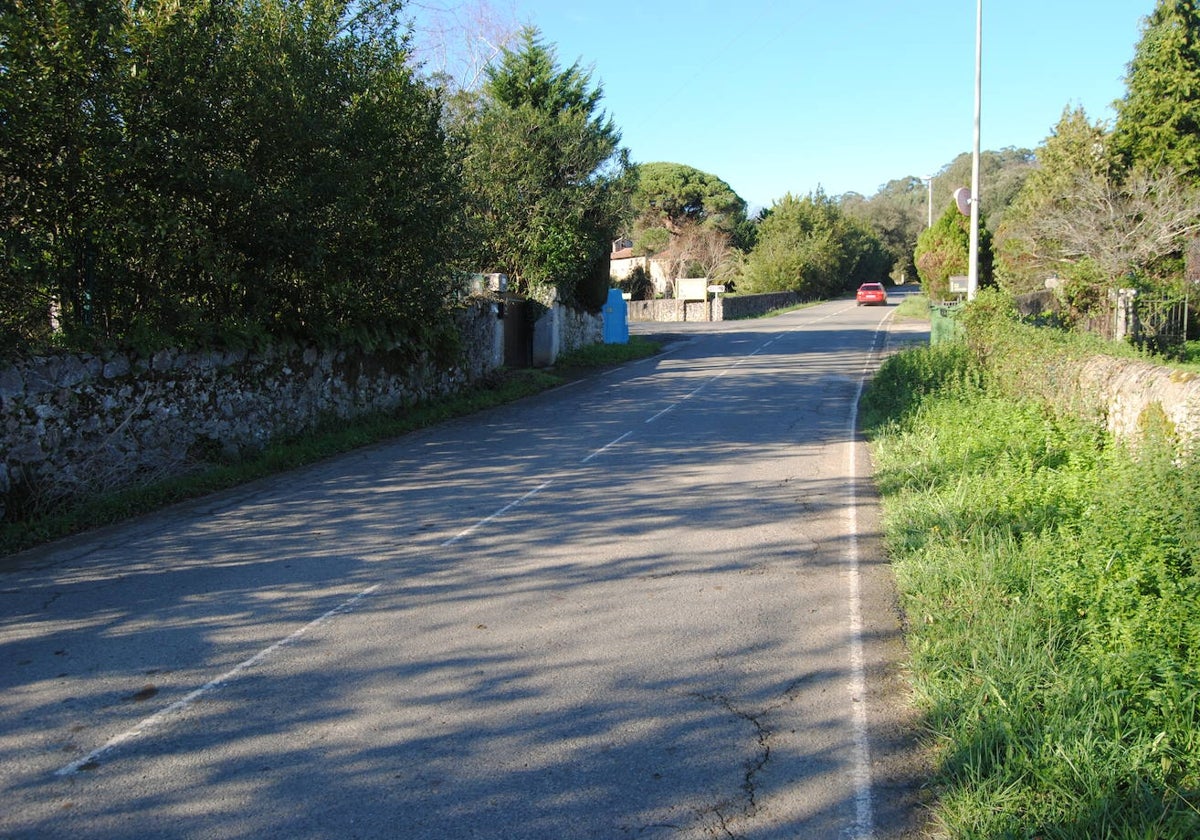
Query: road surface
x,y
648,604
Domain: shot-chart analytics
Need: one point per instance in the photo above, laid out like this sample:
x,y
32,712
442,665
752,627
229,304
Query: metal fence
x,y
1153,321
1159,323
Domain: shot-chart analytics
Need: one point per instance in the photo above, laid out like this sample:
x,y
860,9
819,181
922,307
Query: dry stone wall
x,y
1129,394
73,424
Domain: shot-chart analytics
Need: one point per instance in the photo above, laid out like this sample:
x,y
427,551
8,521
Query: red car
x,y
869,293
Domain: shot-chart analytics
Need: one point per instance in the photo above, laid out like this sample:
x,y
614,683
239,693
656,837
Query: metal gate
x,y
1158,323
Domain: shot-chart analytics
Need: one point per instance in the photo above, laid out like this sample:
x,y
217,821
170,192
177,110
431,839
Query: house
x,y
623,262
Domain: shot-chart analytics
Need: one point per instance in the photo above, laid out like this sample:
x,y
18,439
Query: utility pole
x,y
928,179
973,265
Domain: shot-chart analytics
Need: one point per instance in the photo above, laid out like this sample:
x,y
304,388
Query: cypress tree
x,y
1158,121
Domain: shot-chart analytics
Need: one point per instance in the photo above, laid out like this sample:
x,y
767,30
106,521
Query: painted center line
x,y
611,443
182,705
467,531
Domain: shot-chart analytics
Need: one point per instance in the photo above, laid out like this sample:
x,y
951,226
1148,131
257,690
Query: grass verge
x,y
1051,582
329,439
913,306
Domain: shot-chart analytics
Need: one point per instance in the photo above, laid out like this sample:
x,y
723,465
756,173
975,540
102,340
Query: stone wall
x,y
663,310
560,330
723,308
1128,394
72,424
749,306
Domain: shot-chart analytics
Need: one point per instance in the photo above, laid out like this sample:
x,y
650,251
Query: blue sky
x,y
776,96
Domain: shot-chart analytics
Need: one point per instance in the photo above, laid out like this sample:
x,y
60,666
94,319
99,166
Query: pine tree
x,y
548,178
1076,149
1158,121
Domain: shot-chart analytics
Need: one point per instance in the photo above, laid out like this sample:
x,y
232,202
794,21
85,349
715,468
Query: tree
x,y
897,215
1120,228
943,251
673,195
696,250
454,42
807,245
60,70
188,172
1001,175
549,180
692,222
1158,120
319,192
1076,150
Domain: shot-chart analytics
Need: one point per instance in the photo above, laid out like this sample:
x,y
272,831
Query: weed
x,y
1052,588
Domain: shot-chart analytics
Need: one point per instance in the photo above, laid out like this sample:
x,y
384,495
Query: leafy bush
x,y
809,246
638,284
177,172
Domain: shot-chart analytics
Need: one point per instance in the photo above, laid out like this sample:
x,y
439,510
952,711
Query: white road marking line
x,y
497,514
861,770
710,380
212,685
183,704
864,820
611,443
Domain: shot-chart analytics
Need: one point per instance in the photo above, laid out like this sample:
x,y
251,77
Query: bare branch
x,y
459,40
1122,227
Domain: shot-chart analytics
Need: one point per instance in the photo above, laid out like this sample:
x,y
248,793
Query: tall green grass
x,y
1051,581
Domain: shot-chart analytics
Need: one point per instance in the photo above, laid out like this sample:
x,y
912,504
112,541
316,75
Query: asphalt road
x,y
649,604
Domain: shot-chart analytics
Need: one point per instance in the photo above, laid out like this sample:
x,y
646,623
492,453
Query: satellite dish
x,y
962,197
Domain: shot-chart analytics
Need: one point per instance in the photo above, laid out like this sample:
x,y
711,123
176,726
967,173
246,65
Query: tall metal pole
x,y
929,200
973,269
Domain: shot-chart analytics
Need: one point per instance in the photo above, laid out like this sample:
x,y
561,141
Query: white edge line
x,y
212,685
861,772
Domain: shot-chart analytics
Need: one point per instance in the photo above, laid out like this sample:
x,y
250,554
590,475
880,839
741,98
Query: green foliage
x,y
60,71
638,284
943,251
869,261
1001,176
180,171
1076,148
914,375
593,288
1085,288
1050,583
548,180
897,215
1158,120
673,195
913,307
809,246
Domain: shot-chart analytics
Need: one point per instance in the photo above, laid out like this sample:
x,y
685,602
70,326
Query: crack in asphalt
x,y
753,767
763,735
